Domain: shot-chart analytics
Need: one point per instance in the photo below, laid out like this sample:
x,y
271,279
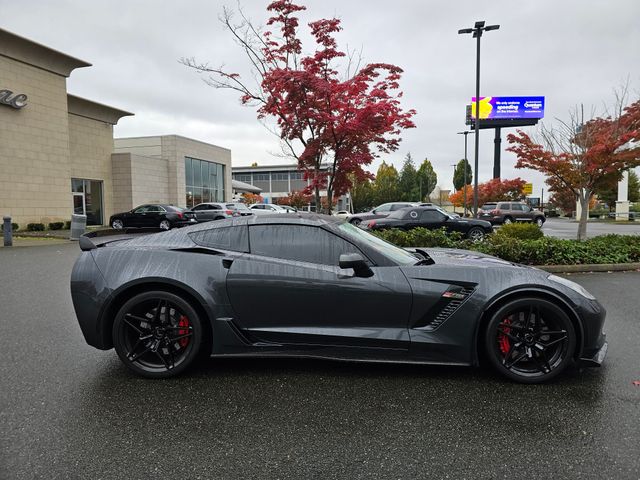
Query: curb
x,y
602,267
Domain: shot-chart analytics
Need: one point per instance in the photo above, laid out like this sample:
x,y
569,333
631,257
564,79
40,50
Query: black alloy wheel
x,y
539,221
507,220
530,340
355,222
157,334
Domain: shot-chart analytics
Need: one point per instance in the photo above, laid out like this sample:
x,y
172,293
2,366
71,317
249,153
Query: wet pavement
x,y
568,229
69,411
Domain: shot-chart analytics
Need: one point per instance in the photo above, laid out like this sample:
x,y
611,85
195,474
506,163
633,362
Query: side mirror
x,y
355,261
374,211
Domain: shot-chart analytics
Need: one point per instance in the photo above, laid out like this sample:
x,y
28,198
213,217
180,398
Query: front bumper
x,y
596,359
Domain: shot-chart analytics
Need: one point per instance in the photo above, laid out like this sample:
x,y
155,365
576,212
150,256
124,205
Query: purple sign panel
x,y
502,108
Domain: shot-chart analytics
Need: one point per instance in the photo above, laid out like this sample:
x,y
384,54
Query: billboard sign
x,y
504,108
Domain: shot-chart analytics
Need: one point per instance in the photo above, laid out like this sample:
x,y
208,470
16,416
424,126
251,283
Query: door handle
x,y
226,262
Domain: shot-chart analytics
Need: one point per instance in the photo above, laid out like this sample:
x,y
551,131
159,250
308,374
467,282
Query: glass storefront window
x,y
88,199
204,181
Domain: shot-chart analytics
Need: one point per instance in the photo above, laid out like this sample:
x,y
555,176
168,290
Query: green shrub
x,y
35,227
14,227
67,225
422,237
521,231
56,226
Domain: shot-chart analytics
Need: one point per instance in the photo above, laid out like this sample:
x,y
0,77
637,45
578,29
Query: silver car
x,y
262,208
205,212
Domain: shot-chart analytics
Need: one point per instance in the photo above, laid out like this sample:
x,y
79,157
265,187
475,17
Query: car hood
x,y
455,256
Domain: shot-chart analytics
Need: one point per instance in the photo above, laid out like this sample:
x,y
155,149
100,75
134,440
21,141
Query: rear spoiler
x,y
100,238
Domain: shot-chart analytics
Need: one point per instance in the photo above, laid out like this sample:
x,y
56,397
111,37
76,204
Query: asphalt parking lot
x,y
567,228
69,411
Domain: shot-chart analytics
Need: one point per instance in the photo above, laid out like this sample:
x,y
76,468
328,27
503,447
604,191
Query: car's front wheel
x,y
355,222
476,234
530,340
157,334
539,221
507,220
117,224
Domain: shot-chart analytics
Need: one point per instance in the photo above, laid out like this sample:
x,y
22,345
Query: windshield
x,y
387,249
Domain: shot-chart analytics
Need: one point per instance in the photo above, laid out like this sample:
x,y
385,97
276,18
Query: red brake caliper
x,y
184,322
503,340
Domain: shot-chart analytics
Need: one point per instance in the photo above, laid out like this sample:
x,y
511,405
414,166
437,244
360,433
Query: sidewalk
x,y
35,242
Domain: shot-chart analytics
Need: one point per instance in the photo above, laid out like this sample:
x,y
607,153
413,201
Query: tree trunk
x,y
329,201
584,214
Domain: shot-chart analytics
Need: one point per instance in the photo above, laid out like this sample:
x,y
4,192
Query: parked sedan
x,y
163,217
205,212
432,218
380,211
314,285
261,208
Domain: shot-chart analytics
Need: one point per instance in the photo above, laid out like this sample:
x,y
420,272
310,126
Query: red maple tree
x,y
494,190
582,157
295,199
332,124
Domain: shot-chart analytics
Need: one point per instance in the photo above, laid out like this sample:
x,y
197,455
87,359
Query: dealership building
x,y
58,155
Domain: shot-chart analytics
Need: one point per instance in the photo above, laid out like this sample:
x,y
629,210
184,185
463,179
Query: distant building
x,y
277,181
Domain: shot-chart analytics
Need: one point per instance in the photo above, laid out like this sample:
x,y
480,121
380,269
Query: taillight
x,y
180,214
494,212
229,212
371,224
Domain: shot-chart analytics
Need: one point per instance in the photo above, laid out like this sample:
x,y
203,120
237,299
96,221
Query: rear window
x,y
488,206
504,206
171,208
226,238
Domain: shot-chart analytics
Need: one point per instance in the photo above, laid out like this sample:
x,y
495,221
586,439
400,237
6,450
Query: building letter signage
x,y
16,101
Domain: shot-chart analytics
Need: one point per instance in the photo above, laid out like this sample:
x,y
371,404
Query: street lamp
x,y
466,162
454,183
478,29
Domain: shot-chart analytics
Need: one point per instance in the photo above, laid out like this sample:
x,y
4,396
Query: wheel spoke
x,y
527,323
156,316
164,360
138,328
511,364
511,326
553,342
175,339
512,337
542,363
136,357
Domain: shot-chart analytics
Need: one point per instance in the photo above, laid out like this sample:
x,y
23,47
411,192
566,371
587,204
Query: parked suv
x,y
381,211
509,212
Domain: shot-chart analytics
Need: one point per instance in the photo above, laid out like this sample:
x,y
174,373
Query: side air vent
x,y
448,304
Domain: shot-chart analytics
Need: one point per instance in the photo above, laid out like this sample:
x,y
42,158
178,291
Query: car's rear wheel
x,y
507,220
157,334
355,222
530,340
165,225
117,224
476,234
539,221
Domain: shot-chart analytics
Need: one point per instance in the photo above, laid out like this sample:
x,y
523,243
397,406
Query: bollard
x,y
78,226
8,232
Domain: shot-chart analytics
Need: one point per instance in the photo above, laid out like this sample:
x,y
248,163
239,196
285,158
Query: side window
x,y
431,216
258,207
504,206
384,208
226,238
517,207
398,206
141,209
299,243
212,206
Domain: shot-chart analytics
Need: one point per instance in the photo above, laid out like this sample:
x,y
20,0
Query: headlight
x,y
572,285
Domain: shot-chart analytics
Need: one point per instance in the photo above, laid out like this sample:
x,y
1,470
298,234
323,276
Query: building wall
x,y
137,180
90,147
34,146
173,149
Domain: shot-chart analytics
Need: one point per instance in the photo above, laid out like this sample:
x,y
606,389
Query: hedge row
x,y
39,227
540,251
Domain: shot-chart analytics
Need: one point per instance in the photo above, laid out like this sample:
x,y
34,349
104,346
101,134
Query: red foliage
x,y
495,190
295,199
345,121
250,198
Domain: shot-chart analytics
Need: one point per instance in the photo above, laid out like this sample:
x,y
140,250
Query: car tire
x,y
157,334
517,346
539,221
355,222
165,225
507,220
117,224
219,218
476,234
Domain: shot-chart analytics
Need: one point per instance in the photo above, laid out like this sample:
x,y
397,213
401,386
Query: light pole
x,y
466,162
478,29
454,183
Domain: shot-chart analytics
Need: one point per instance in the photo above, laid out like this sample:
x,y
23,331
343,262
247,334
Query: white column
x,y
622,205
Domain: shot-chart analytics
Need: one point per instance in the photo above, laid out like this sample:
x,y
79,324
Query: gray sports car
x,y
304,285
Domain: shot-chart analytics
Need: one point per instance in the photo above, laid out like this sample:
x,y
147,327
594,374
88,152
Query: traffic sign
x,y
528,188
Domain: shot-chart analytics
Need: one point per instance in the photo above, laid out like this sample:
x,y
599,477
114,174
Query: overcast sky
x,y
570,51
